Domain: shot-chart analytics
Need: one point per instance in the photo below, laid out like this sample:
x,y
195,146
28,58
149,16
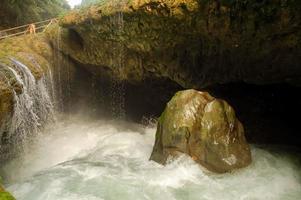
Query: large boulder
x,y
203,127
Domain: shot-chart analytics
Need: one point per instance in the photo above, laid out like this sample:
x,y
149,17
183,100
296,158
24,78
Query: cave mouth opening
x,y
100,152
268,112
75,40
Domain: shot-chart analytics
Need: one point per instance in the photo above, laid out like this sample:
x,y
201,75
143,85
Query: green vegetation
x,y
18,12
5,195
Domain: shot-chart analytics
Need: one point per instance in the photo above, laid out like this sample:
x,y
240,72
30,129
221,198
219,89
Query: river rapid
x,y
78,158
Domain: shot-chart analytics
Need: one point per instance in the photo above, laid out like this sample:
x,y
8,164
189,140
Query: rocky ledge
x,y
193,43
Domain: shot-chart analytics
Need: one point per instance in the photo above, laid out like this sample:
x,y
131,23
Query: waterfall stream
x,y
32,108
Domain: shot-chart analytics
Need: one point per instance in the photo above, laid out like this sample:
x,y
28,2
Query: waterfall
x,y
118,63
62,74
31,109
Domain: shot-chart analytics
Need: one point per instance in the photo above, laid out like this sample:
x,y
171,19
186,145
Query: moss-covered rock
x,y
194,43
31,50
5,195
204,128
36,53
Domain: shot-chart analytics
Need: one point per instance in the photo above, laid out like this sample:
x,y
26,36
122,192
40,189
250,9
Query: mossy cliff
x,y
33,51
194,43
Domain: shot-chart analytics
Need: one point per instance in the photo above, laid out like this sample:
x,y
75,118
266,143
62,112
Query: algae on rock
x,y
193,43
205,128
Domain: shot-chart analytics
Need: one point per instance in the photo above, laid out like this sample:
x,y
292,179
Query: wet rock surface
x,y
28,69
193,43
204,128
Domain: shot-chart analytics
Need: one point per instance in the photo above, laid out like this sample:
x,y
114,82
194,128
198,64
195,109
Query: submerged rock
x,y
203,127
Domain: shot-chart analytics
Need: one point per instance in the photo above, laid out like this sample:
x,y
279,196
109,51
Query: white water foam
x,y
86,159
32,108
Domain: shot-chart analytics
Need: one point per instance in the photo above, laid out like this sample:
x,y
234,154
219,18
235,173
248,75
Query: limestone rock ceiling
x,y
194,43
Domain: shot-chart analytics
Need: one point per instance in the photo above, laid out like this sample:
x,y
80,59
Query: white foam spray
x,y
87,159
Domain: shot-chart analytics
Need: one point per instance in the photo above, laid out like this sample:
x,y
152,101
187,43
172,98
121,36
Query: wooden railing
x,y
25,29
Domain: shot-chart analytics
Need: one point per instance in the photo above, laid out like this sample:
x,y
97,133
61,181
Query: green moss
x,y
5,195
204,128
24,47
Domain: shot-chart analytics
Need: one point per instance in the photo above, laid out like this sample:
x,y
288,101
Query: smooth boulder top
x,y
203,127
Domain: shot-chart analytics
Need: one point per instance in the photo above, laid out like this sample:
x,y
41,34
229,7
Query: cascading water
x,y
61,73
32,108
117,61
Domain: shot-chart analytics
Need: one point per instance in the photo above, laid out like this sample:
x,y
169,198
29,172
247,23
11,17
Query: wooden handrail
x,y
26,25
12,35
26,30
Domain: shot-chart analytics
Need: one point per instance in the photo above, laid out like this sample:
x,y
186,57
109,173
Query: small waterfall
x,y
117,60
32,108
63,72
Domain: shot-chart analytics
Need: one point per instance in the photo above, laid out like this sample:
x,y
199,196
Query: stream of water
x,y
80,158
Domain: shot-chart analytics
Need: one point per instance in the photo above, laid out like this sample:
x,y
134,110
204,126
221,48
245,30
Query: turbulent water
x,y
81,159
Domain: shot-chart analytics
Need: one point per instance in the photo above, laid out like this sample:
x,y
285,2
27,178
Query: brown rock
x,y
203,127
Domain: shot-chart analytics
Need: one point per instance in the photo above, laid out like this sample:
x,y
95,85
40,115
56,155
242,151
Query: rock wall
x,y
28,50
194,43
34,79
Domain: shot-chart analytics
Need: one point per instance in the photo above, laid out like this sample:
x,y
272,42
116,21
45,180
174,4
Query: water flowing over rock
x,y
203,127
26,106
